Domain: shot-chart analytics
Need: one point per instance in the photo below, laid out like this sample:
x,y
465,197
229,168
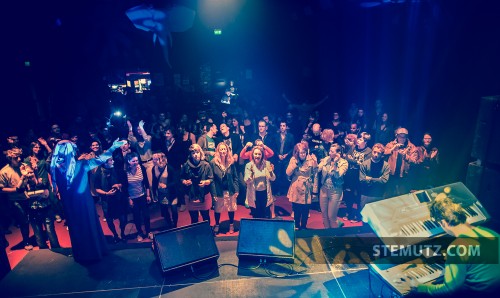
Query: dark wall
x,y
430,62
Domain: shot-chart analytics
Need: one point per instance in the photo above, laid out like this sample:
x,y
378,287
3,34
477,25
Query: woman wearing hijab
x,y
71,179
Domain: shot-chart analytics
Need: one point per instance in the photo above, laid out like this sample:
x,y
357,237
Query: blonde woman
x,y
331,171
226,184
164,188
301,170
258,176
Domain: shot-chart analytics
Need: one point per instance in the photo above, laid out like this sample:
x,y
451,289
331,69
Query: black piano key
x,y
412,274
412,226
472,211
428,224
434,223
416,227
421,226
408,229
467,213
428,269
419,272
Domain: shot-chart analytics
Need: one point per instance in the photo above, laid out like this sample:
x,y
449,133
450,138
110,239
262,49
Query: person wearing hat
x,y
402,156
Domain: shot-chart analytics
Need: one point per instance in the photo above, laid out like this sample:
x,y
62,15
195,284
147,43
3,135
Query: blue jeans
x,y
329,201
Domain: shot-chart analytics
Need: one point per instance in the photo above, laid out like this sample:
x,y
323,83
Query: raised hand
x,y
117,143
42,141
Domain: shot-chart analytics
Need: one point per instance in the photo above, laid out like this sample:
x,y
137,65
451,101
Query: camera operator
x,y
19,182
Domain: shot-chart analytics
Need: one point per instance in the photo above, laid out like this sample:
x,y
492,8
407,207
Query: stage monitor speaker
x,y
185,246
269,240
486,139
483,182
474,177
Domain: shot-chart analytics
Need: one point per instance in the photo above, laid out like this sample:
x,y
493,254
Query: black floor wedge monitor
x,y
266,240
185,246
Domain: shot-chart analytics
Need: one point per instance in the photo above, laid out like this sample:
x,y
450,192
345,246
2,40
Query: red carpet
x,y
16,252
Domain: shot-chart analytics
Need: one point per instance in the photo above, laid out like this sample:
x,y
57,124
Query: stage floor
x,y
16,252
135,272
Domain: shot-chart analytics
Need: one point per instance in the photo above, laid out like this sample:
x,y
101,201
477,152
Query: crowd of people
x,y
217,161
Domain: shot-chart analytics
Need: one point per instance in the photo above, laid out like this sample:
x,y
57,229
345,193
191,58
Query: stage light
x,y
27,63
117,113
217,31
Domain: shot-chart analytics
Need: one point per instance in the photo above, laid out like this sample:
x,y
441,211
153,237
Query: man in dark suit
x,y
173,150
231,140
269,139
285,144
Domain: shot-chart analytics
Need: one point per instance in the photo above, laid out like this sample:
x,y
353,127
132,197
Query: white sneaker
x,y
150,235
231,229
139,238
28,247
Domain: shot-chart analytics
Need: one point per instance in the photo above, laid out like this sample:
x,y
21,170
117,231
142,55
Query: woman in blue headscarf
x,y
70,178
